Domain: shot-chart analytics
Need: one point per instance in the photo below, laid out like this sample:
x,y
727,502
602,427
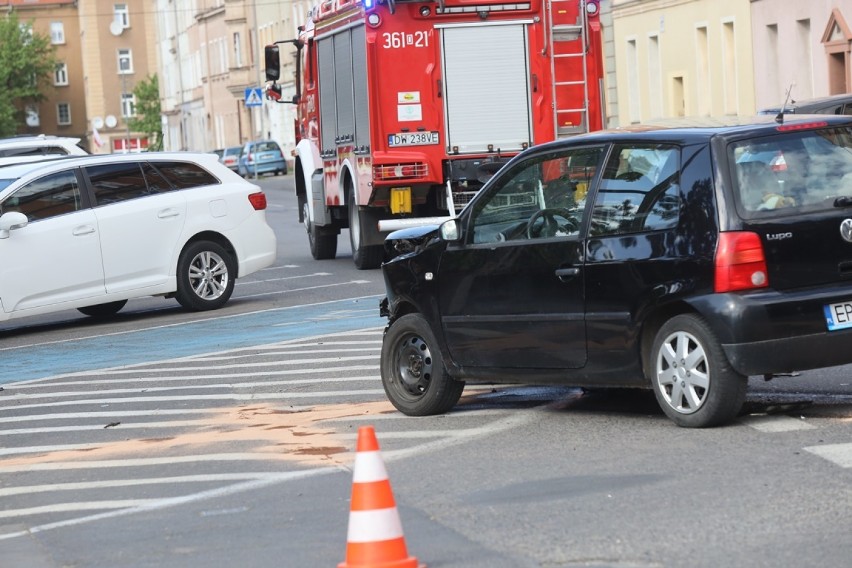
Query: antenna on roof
x,y
779,118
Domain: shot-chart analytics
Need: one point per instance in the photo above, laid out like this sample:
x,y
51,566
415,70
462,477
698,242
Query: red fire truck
x,y
406,107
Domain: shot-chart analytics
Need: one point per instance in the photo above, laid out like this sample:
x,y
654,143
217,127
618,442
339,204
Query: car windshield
x,y
792,172
4,183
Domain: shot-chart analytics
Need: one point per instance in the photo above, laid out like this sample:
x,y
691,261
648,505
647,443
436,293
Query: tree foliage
x,y
27,63
147,119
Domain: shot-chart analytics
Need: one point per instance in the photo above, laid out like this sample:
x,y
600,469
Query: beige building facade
x,y
103,48
803,47
210,52
678,58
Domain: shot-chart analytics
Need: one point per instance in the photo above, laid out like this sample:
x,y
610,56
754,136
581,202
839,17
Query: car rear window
x,y
185,175
267,146
792,172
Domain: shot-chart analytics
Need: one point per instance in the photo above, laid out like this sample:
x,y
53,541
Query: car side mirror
x,y
451,230
11,221
272,59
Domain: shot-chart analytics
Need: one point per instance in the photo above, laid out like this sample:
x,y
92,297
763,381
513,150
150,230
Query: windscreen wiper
x,y
843,201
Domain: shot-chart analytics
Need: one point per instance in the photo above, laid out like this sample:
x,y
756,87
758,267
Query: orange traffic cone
x,y
375,537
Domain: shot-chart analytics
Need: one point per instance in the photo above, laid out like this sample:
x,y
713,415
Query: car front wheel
x,y
693,381
412,369
205,276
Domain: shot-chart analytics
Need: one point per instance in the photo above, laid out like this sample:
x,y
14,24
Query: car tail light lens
x,y
740,262
258,200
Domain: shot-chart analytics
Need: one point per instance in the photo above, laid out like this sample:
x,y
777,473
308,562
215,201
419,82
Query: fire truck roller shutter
x,y
328,114
362,109
486,103
344,88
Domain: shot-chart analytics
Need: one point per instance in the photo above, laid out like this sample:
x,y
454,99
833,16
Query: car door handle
x,y
566,274
166,213
83,230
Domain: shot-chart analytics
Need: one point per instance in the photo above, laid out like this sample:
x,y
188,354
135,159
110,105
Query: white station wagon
x,y
93,232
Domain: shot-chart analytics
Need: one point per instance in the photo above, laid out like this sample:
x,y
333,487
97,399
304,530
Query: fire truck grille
x,y
461,198
400,171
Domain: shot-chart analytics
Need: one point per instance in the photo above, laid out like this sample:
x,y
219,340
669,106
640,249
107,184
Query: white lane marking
x,y
351,368
145,380
513,421
175,501
124,426
291,290
82,485
254,397
142,462
107,414
242,283
839,454
179,324
772,424
66,507
314,340
220,386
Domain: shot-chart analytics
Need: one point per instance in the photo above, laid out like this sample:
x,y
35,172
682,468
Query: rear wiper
x,y
843,201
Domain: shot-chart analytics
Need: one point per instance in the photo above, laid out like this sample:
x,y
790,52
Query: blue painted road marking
x,y
186,339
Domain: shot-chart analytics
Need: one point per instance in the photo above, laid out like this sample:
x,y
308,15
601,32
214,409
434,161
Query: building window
x,y
60,75
32,117
655,76
122,15
634,108
128,105
702,76
125,61
63,113
57,33
729,67
238,51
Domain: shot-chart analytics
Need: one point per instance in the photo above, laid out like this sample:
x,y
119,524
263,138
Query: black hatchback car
x,y
678,259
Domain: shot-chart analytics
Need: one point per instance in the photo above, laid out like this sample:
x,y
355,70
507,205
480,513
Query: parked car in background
x,y
231,157
40,145
836,104
219,152
262,157
677,259
91,233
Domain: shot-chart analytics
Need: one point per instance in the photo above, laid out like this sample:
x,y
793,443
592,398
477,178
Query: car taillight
x,y
740,262
258,200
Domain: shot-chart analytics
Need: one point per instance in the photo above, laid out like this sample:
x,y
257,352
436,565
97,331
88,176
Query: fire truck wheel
x,y
323,243
412,369
366,257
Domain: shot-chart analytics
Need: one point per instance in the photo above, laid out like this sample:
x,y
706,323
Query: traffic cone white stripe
x,y
369,467
374,526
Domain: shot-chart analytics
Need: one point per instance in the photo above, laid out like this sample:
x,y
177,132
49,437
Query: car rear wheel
x,y
412,369
103,310
205,276
693,381
323,243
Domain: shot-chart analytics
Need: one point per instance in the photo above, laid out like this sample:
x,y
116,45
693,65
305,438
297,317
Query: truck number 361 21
x,y
397,40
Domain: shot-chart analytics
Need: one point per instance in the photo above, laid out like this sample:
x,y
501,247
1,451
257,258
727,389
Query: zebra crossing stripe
x,y
840,454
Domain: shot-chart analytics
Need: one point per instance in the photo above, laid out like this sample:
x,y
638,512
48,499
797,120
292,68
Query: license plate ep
x,y
838,316
413,138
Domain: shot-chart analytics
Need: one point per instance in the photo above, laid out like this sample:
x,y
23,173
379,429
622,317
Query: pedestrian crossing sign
x,y
254,97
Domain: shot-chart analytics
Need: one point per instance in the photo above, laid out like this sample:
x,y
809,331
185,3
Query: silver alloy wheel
x,y
208,275
683,372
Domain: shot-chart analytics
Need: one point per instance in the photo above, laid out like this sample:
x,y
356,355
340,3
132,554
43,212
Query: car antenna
x,y
779,118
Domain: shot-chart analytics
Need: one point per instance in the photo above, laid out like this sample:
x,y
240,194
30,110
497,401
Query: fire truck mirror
x,y
273,63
